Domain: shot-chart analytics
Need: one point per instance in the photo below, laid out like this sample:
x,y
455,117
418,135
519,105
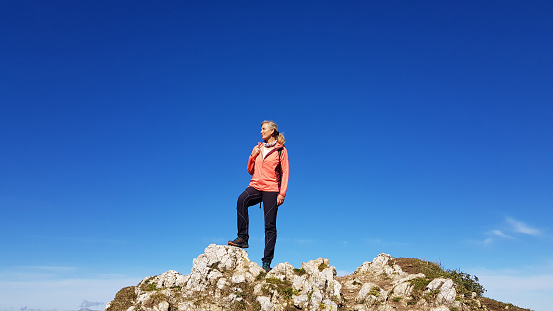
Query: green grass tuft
x,y
300,271
323,266
466,283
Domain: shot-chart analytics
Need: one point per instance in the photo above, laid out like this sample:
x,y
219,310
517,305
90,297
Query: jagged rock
x,y
377,266
223,278
365,291
238,278
301,301
282,271
265,303
446,288
403,290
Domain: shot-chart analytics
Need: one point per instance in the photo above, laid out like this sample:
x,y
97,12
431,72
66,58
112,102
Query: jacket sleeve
x,y
251,161
285,167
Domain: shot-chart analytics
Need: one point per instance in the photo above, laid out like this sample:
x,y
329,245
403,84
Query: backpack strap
x,y
278,168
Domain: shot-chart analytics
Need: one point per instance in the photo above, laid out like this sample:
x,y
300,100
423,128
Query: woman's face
x,y
266,133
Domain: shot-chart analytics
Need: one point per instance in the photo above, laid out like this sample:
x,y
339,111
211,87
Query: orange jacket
x,y
264,177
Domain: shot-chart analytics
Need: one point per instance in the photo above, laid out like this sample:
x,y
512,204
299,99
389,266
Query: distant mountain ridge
x,y
223,278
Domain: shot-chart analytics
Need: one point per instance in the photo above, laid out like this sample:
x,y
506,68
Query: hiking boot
x,y
239,242
266,266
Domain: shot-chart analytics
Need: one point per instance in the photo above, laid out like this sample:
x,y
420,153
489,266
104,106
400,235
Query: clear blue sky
x,y
415,128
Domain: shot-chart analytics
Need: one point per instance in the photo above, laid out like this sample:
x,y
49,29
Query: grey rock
x,y
223,278
265,303
446,288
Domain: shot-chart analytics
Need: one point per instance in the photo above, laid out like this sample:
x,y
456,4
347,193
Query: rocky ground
x,y
223,278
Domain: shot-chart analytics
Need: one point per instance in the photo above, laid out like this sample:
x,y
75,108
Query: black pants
x,y
250,197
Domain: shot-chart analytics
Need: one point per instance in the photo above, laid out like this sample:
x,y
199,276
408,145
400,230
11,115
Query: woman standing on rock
x,y
268,165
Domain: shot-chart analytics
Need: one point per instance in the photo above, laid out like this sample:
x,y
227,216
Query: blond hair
x,y
278,136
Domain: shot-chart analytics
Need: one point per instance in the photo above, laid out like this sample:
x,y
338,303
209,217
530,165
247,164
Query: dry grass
x,y
494,305
124,299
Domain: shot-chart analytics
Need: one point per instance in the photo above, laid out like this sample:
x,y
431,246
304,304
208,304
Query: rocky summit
x,y
224,278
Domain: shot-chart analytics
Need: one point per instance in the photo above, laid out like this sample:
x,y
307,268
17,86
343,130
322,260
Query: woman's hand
x,y
280,200
256,151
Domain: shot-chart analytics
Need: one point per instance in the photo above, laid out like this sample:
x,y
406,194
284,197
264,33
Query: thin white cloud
x,y
494,235
509,229
500,234
520,227
487,241
80,239
36,273
56,269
